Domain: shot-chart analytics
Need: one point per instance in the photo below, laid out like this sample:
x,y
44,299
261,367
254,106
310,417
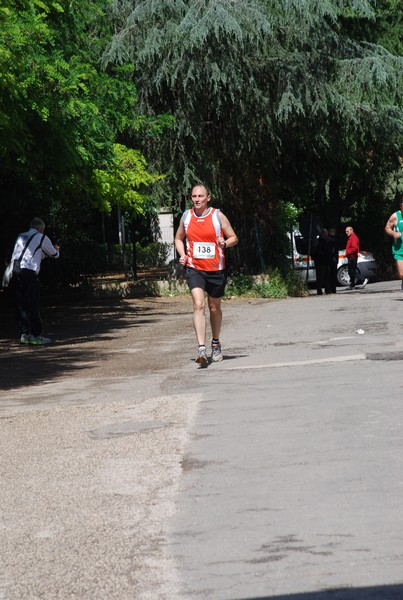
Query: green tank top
x,y
398,244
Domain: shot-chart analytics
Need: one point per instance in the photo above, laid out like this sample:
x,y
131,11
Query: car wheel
x,y
342,275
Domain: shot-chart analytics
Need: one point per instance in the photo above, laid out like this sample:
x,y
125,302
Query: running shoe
x,y
201,358
39,340
25,338
216,354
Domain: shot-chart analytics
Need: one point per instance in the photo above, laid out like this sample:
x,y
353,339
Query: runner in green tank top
x,y
394,229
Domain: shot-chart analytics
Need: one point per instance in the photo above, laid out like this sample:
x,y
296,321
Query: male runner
x,y
206,231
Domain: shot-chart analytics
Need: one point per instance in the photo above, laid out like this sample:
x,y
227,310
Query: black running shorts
x,y
212,282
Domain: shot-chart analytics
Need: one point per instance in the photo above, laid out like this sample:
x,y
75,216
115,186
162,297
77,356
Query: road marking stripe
x,y
335,339
301,363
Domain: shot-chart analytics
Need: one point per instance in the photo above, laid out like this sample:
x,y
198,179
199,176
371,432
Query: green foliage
x,y
147,257
272,99
295,286
268,101
61,115
80,261
273,285
239,285
119,183
83,259
152,255
384,27
46,87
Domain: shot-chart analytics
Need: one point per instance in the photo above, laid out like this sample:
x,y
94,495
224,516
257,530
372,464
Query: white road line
x,y
301,363
335,339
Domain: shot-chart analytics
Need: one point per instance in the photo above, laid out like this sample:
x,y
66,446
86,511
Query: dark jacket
x,y
321,253
334,249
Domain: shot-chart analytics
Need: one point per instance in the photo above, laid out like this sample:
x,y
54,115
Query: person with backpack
x,y
31,247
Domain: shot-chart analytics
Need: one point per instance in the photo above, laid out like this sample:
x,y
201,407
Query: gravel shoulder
x,y
91,446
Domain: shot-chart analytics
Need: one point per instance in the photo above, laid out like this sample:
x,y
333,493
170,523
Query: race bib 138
x,y
203,250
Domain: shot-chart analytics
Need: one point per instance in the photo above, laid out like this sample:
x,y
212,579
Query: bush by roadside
x,y
270,285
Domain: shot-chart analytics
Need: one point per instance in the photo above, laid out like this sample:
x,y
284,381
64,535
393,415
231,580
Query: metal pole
x,y
121,228
309,249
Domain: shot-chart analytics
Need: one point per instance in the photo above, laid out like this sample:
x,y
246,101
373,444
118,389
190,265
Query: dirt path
x,y
104,338
91,446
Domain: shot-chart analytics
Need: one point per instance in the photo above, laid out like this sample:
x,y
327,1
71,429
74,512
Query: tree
x,y
273,100
61,115
124,181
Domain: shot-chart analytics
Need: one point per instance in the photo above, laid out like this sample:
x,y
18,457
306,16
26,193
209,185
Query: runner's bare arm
x,y
179,243
390,225
231,239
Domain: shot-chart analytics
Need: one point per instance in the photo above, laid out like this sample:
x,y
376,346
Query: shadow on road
x,y
71,329
382,592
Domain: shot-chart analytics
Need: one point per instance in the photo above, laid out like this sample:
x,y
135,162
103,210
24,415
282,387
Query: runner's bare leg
x,y
215,316
199,315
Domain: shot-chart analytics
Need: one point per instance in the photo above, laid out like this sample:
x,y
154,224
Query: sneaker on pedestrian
x,y
39,340
201,358
216,354
364,283
25,338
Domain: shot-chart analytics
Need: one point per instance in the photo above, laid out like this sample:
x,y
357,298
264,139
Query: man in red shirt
x,y
352,250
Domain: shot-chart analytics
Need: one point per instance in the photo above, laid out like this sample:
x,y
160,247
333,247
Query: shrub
x,y
272,285
152,255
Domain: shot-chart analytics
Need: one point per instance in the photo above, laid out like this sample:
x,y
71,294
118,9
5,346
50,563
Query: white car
x,y
367,267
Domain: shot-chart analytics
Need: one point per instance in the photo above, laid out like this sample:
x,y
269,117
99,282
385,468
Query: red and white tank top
x,y
203,252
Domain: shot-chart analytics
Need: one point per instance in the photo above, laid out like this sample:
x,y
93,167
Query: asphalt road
x,y
129,472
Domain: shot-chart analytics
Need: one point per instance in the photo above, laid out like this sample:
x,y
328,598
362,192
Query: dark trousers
x,y
322,278
333,277
27,291
352,270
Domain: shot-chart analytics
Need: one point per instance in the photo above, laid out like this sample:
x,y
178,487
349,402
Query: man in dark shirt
x,y
334,259
321,257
